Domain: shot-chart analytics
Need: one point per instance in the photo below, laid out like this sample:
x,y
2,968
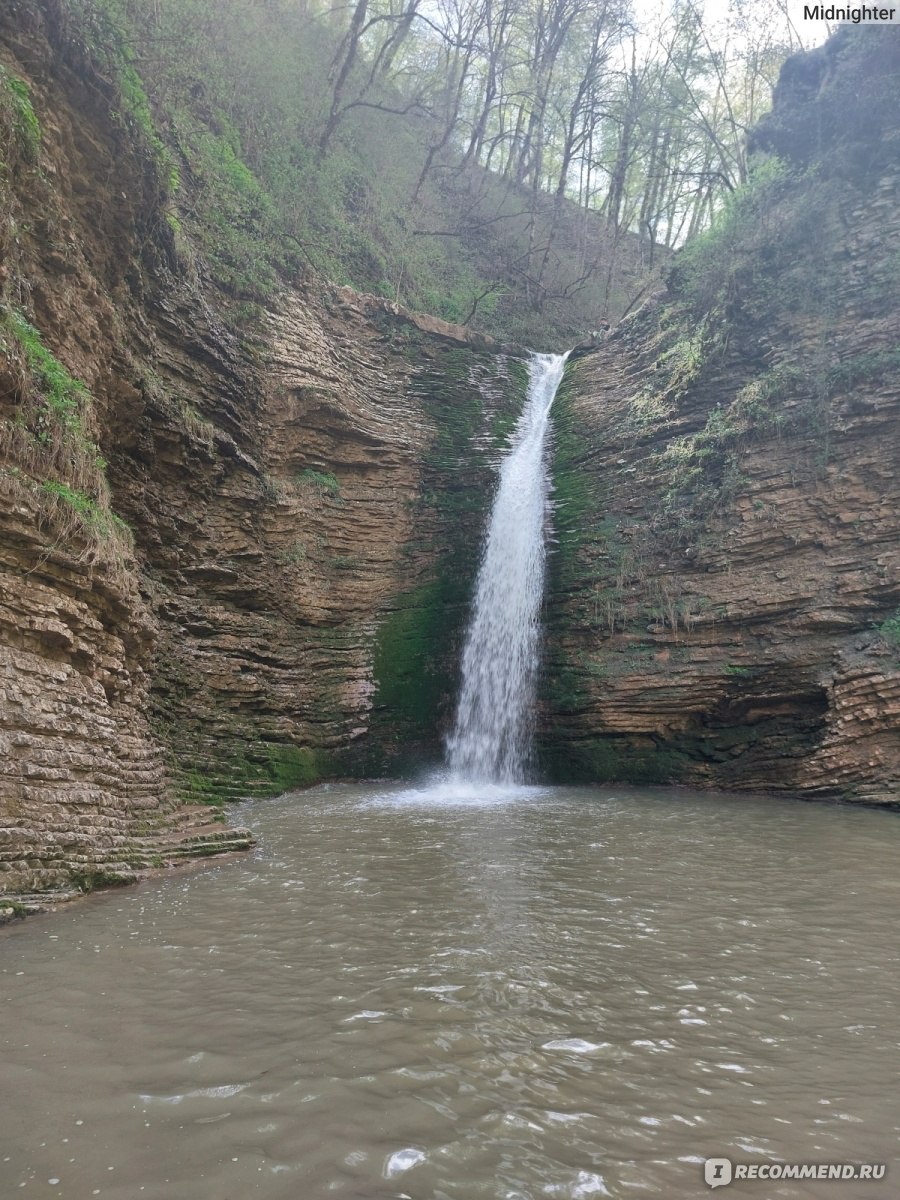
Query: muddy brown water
x,y
418,994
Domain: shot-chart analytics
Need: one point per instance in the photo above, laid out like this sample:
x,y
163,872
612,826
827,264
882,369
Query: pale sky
x,y
806,33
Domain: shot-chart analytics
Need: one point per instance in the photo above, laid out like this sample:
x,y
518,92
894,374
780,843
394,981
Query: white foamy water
x,y
491,738
444,789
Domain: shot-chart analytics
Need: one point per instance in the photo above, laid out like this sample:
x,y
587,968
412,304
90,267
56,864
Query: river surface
x,y
539,993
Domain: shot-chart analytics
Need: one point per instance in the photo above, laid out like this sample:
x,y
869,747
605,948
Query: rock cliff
x,y
232,561
724,596
237,544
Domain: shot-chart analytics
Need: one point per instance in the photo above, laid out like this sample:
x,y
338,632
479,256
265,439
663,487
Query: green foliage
x,y
105,28
64,395
237,229
769,256
293,555
198,428
702,470
759,405
323,482
890,630
707,268
94,517
15,96
686,346
863,368
51,432
240,94
50,451
683,360
649,407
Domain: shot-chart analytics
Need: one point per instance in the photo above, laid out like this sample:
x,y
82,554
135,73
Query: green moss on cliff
x,y
235,771
473,400
612,760
411,680
571,495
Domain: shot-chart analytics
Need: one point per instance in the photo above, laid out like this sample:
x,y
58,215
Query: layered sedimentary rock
x,y
83,780
725,594
311,599
234,560
238,558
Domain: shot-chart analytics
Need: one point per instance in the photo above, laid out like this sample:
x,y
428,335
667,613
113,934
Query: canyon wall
x,y
724,595
235,553
237,542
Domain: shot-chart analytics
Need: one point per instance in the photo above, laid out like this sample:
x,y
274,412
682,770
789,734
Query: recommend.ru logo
x,y
719,1171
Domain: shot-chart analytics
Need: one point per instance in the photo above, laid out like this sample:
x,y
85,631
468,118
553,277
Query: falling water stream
x,y
491,738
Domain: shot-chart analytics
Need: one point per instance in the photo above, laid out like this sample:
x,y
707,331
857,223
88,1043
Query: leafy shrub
x,y
322,481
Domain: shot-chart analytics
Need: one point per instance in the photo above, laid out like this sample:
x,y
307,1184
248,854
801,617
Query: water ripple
x,y
552,994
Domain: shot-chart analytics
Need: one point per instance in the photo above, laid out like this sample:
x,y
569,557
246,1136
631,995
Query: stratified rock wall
x,y
724,598
84,792
238,554
307,588
293,569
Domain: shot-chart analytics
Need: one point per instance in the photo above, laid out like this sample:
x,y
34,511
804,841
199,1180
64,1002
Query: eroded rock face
x,y
311,614
305,501
84,788
724,599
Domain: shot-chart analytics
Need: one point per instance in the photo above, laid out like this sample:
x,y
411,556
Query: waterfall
x,y
491,739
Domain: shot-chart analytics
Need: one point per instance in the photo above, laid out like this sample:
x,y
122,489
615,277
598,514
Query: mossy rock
x,y
256,769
